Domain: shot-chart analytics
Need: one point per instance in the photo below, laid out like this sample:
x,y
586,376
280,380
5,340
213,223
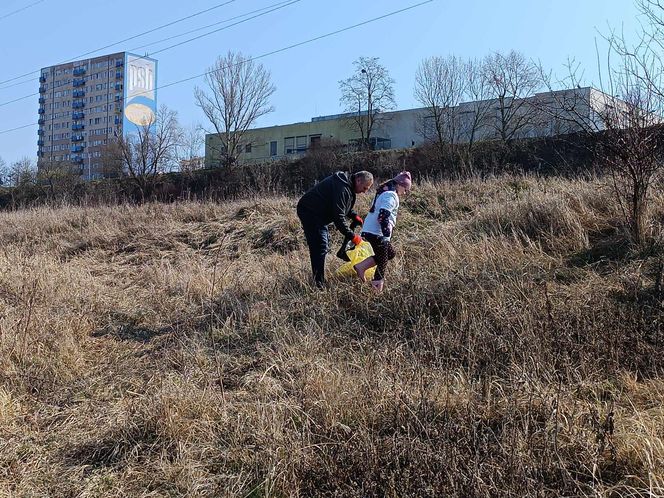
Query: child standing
x,y
378,227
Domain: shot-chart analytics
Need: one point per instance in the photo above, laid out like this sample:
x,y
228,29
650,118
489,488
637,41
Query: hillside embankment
x,y
179,350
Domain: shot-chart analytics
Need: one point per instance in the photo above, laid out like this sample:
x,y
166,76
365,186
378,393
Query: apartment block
x,y
86,104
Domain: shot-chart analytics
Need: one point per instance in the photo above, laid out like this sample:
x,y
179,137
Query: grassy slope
x,y
170,350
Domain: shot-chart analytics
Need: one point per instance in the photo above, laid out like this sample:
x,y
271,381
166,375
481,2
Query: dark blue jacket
x,y
331,201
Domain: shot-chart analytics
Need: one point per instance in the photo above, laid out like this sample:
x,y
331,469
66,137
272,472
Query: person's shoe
x,y
361,267
377,285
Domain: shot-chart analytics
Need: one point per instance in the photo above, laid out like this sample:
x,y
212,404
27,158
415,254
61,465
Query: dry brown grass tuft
x,y
179,350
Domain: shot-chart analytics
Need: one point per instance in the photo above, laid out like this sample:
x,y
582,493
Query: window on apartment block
x,y
273,148
247,148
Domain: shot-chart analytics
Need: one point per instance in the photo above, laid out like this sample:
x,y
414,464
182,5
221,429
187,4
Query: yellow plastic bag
x,y
357,254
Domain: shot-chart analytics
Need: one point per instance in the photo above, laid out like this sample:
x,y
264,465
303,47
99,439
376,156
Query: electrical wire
x,y
20,10
283,49
176,21
279,6
282,3
220,29
299,44
207,26
17,128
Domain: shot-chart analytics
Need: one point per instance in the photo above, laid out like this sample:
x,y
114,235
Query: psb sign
x,y
140,90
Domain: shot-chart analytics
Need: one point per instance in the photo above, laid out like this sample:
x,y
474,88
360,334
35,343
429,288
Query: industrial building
x,y
548,114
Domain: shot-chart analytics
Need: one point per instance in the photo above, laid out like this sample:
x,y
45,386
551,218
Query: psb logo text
x,y
141,78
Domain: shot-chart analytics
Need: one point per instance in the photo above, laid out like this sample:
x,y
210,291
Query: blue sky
x,y
306,77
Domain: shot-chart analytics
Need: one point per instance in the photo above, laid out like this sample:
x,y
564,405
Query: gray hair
x,y
364,176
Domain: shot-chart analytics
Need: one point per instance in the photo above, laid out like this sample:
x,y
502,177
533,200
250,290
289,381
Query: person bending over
x,y
378,227
330,201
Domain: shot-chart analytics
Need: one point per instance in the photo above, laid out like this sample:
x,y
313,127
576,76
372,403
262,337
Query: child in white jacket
x,y
378,226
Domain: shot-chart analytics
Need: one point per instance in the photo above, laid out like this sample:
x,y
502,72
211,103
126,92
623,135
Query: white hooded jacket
x,y
389,201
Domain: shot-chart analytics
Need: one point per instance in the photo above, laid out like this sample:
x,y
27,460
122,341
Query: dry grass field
x,y
178,350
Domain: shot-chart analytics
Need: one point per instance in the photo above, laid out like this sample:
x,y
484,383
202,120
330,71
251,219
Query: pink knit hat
x,y
403,179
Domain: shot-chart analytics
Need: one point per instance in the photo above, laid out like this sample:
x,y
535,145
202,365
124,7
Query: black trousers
x,y
317,235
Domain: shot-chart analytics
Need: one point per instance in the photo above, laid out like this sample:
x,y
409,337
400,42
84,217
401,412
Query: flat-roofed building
x,y
544,114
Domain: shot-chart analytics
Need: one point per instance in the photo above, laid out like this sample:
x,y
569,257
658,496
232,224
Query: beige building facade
x,y
544,114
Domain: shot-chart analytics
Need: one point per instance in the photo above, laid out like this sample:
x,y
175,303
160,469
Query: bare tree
x,y
653,12
511,79
20,176
22,173
367,95
4,172
59,177
632,148
569,106
112,161
458,104
624,116
478,94
239,94
151,150
440,86
634,140
190,150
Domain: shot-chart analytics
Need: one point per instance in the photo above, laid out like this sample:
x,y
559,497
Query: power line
x,y
225,27
122,41
20,10
283,49
17,128
310,40
18,99
208,26
149,44
278,6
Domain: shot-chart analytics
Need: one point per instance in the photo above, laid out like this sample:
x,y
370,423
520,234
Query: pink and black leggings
x,y
383,252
